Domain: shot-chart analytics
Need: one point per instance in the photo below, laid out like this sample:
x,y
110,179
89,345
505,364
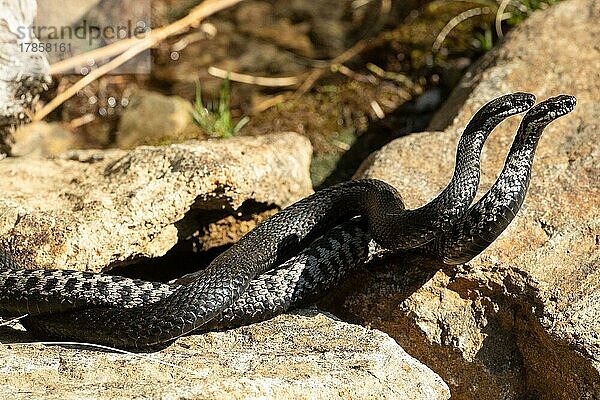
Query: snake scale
x,y
295,255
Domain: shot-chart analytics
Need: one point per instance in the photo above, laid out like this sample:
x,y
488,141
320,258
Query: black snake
x,y
294,255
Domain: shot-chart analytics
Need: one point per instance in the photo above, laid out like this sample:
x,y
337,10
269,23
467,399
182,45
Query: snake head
x,y
511,104
503,107
496,111
549,110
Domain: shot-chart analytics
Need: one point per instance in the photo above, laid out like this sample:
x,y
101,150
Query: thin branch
x,y
107,51
80,121
342,69
268,103
15,319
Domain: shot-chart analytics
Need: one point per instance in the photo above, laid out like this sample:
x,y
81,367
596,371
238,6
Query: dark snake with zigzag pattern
x,y
295,255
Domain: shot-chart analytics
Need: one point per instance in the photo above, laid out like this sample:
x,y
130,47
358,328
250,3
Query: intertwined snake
x,y
295,255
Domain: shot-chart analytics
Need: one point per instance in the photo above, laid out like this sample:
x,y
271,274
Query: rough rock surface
x,y
522,320
94,208
298,356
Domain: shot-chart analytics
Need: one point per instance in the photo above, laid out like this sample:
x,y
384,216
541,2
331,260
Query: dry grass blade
x,y
463,16
500,16
317,73
254,80
10,321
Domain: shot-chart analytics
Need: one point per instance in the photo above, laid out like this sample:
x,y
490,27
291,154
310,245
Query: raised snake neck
x,y
131,313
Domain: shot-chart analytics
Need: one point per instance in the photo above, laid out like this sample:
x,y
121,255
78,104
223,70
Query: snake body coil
x,y
294,255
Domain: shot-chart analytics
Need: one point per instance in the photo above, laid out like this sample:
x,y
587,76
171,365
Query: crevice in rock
x,y
175,263
553,369
548,229
522,358
205,231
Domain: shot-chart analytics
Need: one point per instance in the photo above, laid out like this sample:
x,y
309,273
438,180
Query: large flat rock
x,y
300,356
522,319
91,209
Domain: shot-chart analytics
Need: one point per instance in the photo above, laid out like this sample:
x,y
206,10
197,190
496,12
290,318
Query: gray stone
x,y
154,119
43,139
90,209
522,319
307,355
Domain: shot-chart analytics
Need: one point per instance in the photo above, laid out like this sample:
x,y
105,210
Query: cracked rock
x,y
90,209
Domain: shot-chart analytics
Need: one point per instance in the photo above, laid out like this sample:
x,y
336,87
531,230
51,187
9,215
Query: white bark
x,y
23,75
